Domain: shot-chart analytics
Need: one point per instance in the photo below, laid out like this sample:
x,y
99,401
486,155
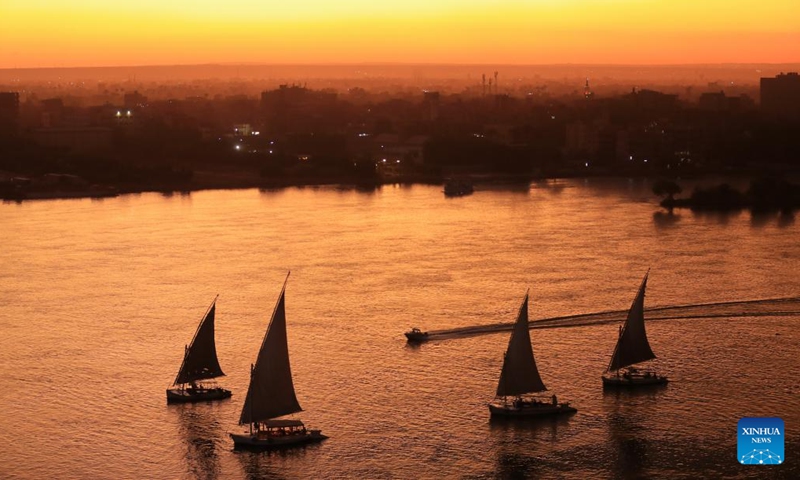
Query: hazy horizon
x,y
349,75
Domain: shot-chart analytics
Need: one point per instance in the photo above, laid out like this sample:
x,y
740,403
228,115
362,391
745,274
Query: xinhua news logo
x,y
760,441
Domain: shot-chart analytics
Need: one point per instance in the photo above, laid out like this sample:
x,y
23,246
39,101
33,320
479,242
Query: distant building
x,y
719,102
242,130
651,100
431,102
9,112
52,112
392,149
582,138
780,96
296,109
713,101
134,100
79,139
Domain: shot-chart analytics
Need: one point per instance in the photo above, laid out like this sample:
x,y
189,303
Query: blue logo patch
x,y
760,441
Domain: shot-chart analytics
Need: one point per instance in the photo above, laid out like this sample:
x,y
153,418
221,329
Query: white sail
x,y
519,374
632,346
271,391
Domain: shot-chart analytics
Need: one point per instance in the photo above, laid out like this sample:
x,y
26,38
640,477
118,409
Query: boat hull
x,y
176,395
530,410
256,442
416,337
622,381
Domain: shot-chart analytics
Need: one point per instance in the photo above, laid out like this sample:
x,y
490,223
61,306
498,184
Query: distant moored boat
x,y
457,188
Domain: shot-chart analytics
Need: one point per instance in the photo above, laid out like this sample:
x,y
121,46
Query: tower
x,y
587,92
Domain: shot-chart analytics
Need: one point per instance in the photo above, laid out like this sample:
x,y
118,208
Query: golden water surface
x,y
98,298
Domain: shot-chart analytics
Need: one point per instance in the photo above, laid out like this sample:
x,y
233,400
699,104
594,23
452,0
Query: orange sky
x,y
42,33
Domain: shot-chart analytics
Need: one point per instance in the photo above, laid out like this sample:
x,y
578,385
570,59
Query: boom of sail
x,y
271,391
200,360
632,345
519,374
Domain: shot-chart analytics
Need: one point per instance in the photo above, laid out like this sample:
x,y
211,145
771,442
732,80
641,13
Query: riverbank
x,y
61,186
68,186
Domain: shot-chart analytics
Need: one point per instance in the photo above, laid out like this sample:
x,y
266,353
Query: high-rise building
x,y
780,96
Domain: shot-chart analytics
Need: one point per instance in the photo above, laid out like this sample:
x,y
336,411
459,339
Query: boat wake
x,y
771,307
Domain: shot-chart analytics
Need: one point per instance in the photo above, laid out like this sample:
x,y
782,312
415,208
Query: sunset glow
x,y
41,33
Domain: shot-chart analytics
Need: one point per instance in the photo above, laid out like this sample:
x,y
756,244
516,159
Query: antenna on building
x,y
495,83
484,84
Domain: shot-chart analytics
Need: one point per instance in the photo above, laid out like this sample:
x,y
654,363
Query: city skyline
x,y
45,33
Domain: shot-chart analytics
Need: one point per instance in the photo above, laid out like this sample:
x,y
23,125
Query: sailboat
x,y
632,348
199,363
520,380
271,393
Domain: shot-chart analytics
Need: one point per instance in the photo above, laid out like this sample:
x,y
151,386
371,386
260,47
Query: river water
x,y
98,298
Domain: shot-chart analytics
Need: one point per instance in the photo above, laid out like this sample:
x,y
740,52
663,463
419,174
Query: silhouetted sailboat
x,y
271,393
520,379
632,347
199,363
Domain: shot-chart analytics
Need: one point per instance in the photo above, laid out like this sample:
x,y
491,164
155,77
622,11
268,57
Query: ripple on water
x,y
100,306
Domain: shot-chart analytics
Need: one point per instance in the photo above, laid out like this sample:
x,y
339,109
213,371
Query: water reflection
x,y
183,194
263,465
786,219
665,219
201,432
521,445
613,396
521,465
522,188
269,191
721,218
628,437
538,428
782,219
369,188
553,186
258,465
761,219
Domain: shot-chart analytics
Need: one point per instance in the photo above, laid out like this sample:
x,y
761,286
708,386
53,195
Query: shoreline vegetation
x,y
764,194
